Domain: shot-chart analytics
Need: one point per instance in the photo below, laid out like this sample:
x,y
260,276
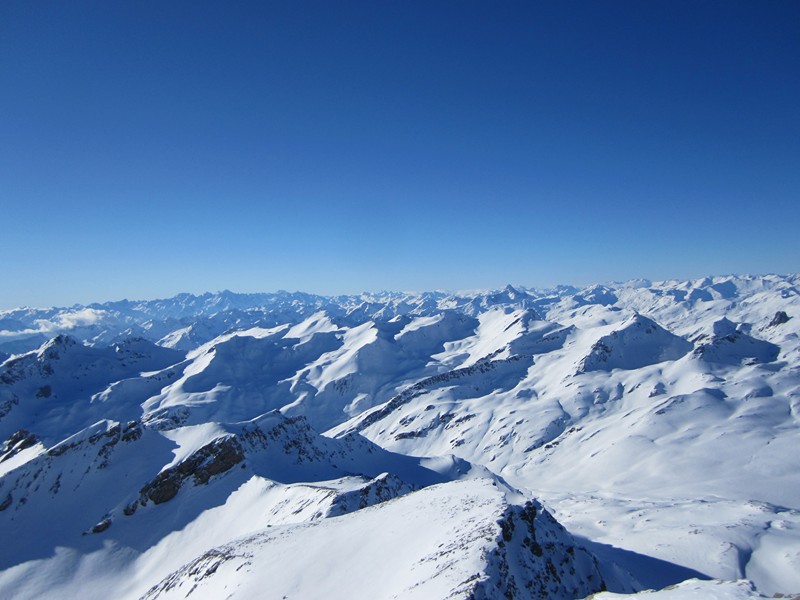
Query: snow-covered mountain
x,y
406,445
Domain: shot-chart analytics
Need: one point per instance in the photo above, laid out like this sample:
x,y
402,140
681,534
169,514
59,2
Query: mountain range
x,y
516,443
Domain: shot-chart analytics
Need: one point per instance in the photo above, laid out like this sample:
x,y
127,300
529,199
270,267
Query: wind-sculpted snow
x,y
164,440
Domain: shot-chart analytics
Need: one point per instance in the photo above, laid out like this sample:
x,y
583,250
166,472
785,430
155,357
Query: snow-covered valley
x,y
506,444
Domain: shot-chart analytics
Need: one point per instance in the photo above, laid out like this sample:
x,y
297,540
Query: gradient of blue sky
x,y
148,148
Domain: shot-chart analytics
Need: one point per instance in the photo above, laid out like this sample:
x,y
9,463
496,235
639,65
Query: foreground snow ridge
x,y
625,439
458,540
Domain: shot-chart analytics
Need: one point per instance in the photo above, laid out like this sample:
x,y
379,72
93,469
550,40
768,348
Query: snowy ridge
x,y
636,343
154,493
456,541
657,421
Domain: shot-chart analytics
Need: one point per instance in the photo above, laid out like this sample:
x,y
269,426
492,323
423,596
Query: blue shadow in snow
x,y
650,572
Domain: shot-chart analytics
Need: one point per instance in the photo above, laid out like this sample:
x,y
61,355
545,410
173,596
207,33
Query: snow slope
x,y
693,589
457,540
120,506
656,420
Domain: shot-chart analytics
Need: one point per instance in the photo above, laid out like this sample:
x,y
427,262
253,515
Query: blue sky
x,y
148,148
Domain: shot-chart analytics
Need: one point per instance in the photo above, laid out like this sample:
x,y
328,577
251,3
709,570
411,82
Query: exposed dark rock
x,y
294,433
62,448
533,563
16,443
101,526
381,489
132,431
779,319
107,440
168,418
213,458
110,434
437,422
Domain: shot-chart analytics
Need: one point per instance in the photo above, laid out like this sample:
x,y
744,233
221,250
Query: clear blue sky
x,y
148,148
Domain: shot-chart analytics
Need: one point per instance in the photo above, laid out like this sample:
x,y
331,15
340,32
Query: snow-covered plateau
x,y
635,439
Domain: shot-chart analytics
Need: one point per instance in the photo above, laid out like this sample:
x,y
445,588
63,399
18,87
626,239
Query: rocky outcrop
x,y
104,440
381,489
16,443
536,558
779,319
212,459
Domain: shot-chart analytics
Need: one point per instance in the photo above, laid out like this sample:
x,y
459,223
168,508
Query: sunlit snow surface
x,y
693,590
157,448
